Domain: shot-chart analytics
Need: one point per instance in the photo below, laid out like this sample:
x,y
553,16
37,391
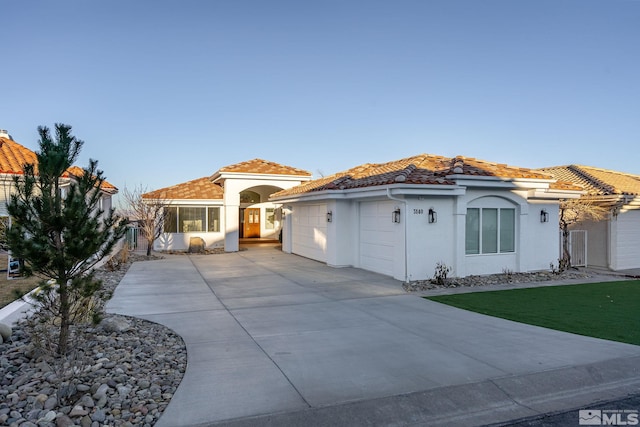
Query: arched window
x,y
249,196
490,227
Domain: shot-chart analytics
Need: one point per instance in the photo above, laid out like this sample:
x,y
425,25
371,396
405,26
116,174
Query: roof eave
x,y
375,191
221,176
496,181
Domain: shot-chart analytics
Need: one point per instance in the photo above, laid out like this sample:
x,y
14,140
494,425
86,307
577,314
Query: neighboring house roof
x,y
260,166
420,169
200,189
14,156
597,181
106,185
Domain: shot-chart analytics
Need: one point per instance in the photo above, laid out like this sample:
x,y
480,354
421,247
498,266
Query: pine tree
x,y
58,227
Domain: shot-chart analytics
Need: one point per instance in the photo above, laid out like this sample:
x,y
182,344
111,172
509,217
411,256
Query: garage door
x,y
628,238
309,237
377,237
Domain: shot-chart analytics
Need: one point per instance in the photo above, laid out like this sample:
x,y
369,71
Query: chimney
x,y
4,134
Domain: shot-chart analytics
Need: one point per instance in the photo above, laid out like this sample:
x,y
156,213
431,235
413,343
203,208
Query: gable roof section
x,y
14,156
420,169
260,166
197,189
597,181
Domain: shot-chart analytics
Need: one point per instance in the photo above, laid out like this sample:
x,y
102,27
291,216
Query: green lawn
x,y
609,310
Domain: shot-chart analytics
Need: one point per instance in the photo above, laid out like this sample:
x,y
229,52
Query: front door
x,y
251,222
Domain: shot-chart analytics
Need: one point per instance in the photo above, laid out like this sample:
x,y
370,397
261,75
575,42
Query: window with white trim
x,y
187,219
270,222
490,231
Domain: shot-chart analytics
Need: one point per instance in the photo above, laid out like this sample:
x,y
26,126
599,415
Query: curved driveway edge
x,y
276,339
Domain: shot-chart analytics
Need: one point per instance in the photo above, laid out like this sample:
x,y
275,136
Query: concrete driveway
x,y
276,339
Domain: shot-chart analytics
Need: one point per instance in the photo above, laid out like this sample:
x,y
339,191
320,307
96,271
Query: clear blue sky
x,y
167,91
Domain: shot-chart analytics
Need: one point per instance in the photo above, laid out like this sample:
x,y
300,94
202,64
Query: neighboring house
x,y
14,156
613,243
404,217
231,204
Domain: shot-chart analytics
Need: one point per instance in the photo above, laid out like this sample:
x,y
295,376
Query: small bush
x,y
442,271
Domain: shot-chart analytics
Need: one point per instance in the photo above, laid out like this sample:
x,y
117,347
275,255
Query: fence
x,y
577,247
136,240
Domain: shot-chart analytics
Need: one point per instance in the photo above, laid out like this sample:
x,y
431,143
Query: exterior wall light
x,y
395,215
329,216
432,216
544,216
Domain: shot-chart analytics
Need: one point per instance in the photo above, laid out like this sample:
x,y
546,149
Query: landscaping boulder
x,y
196,245
5,332
115,324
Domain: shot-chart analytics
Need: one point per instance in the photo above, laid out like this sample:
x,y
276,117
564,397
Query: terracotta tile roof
x,y
260,166
596,181
78,171
200,189
420,169
13,156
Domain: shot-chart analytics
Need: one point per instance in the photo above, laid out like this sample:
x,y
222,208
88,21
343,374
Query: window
x,y
213,219
186,219
171,220
191,219
270,222
490,231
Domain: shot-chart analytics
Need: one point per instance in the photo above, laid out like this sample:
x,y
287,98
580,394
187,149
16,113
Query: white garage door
x,y
377,237
309,237
628,238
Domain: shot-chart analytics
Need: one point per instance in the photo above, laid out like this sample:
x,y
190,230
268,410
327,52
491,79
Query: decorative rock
x,y
50,403
48,417
82,387
78,411
5,331
129,355
87,401
196,245
102,391
85,421
99,416
115,324
64,421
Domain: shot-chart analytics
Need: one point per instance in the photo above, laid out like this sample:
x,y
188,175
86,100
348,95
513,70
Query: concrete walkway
x,y
276,339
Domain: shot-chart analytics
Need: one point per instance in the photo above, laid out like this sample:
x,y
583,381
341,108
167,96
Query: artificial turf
x,y
608,310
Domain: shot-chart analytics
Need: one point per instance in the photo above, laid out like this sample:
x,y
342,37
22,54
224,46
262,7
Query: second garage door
x,y
377,237
309,237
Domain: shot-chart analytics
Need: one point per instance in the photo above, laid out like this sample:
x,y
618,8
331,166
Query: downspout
x,y
406,216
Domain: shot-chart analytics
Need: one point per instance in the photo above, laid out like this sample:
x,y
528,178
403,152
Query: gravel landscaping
x,y
121,372
493,279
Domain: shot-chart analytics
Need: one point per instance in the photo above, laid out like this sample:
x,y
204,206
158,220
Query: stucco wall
x,y
427,244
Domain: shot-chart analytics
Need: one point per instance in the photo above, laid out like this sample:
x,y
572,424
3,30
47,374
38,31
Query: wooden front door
x,y
251,222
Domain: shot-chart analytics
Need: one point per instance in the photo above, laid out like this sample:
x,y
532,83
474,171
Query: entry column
x,y
231,219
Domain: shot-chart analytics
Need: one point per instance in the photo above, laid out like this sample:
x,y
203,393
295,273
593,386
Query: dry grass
x,y
8,288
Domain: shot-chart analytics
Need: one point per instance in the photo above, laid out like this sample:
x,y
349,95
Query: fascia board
x,y
185,202
494,182
376,191
551,194
259,176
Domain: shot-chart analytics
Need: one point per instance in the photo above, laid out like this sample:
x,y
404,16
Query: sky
x,y
162,92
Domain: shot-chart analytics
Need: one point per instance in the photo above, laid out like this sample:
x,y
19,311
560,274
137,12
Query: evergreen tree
x,y
58,228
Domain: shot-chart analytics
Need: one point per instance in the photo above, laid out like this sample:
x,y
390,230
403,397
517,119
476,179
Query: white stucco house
x,y
230,205
613,243
403,217
13,156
